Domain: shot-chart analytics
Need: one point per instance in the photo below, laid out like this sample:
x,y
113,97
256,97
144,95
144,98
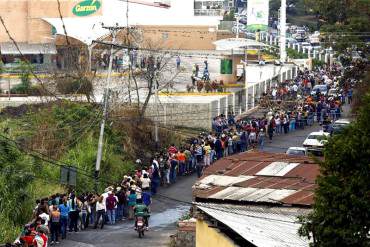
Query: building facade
x,y
36,25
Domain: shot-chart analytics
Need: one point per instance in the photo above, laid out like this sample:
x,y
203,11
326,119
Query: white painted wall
x,y
259,73
181,12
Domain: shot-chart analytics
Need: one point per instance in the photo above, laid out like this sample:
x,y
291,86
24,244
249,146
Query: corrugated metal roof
x,y
221,180
271,178
277,169
261,226
252,194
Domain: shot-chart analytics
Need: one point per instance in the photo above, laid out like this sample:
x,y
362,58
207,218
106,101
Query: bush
x,y
25,85
295,54
317,63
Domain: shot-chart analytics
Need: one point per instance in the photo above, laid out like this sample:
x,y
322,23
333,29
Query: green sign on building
x,y
226,66
86,7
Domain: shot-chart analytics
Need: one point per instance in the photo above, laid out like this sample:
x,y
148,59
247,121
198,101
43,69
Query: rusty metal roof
x,y
259,177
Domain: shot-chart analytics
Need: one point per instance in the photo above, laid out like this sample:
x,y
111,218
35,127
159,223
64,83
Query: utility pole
x,y
114,30
156,117
283,55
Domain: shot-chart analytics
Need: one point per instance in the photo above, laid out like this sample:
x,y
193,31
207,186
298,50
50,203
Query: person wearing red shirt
x,y
41,240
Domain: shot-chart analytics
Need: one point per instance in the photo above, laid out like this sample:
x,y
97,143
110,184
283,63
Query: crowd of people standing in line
x,y
59,214
303,110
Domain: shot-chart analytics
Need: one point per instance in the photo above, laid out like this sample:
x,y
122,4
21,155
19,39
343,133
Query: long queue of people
x,y
308,104
59,215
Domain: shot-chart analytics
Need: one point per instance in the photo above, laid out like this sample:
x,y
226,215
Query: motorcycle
x,y
140,226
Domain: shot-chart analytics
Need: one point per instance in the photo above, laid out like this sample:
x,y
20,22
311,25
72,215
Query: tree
x,y
343,22
341,213
16,175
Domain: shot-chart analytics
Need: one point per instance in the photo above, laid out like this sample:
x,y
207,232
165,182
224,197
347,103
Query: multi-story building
x,y
212,7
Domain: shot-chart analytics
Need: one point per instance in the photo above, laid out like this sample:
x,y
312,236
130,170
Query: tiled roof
x,y
259,177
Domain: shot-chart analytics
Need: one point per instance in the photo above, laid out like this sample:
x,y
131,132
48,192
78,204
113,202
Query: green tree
x,y
343,22
16,176
341,213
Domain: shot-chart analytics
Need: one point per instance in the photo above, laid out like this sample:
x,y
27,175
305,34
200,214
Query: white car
x,y
297,151
316,140
339,125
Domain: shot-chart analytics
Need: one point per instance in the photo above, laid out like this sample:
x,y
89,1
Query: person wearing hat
x,y
41,239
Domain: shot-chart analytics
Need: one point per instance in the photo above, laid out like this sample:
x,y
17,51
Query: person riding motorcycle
x,y
141,210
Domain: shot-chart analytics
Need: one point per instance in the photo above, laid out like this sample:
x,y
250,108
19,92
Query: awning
x,y
84,29
237,43
27,49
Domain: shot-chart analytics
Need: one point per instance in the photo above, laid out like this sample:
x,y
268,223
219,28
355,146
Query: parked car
x,y
322,89
339,125
291,41
316,141
297,151
300,35
243,20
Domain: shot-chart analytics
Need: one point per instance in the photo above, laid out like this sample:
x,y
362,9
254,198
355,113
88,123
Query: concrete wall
x,y
207,236
184,114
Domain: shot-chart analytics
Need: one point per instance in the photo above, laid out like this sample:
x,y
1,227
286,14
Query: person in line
x,y
111,203
41,238
132,197
54,225
73,213
64,213
100,212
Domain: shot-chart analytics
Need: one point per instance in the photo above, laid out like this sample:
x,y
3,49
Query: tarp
x,y
84,29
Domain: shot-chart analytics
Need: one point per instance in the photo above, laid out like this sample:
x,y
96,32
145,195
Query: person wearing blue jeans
x,y
64,212
111,216
111,203
119,212
173,171
63,226
156,176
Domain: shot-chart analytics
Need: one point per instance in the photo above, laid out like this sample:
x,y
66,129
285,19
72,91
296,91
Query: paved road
x,y
280,143
165,213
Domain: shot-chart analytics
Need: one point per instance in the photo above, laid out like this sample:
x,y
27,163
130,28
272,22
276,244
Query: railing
x,y
323,55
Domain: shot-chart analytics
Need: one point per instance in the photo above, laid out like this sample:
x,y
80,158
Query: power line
x,y
45,158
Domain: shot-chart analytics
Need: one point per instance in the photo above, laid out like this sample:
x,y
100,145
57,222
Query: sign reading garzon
x,y
86,7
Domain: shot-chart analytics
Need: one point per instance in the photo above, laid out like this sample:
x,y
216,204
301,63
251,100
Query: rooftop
x,y
261,226
259,178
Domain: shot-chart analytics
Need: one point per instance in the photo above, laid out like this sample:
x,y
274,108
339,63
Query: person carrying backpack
x,y
111,203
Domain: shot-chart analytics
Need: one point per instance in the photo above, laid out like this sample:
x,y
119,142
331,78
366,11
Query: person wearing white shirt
x,y
145,182
100,211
